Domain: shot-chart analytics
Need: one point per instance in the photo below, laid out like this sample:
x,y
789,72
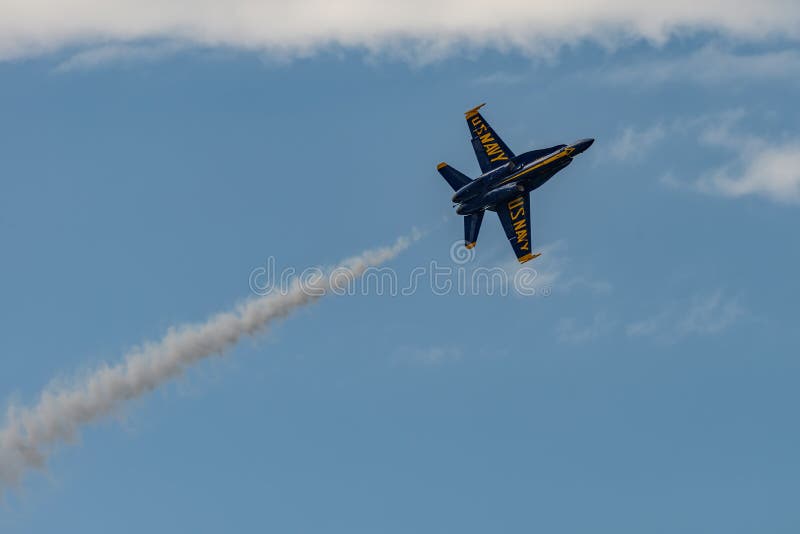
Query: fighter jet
x,y
506,183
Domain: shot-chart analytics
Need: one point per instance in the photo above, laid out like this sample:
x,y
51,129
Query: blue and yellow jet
x,y
505,184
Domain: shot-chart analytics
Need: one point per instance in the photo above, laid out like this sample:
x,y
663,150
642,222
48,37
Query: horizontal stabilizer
x,y
456,179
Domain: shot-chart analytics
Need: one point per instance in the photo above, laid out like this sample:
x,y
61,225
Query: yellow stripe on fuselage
x,y
564,152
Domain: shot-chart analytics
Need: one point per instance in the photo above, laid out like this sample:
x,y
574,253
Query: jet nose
x,y
582,145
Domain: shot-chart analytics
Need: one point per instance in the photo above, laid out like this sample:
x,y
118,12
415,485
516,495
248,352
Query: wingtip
x,y
474,111
528,257
470,245
441,166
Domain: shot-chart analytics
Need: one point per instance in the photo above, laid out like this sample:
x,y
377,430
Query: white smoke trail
x,y
30,433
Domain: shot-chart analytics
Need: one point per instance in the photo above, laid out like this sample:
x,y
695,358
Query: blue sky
x,y
650,385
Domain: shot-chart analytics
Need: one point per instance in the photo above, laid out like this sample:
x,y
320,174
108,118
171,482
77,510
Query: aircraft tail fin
x,y
472,225
456,179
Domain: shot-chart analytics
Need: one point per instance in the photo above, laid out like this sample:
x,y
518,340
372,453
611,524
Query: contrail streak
x,y
30,433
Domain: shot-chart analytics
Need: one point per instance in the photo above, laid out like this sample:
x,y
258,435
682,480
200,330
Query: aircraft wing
x,y
490,150
515,215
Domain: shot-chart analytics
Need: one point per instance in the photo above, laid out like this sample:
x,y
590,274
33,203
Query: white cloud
x,y
415,29
772,171
703,315
761,166
710,65
632,143
765,167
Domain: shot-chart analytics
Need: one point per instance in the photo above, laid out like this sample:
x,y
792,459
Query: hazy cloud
x,y
570,330
705,314
118,53
499,78
702,315
709,65
555,272
766,167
